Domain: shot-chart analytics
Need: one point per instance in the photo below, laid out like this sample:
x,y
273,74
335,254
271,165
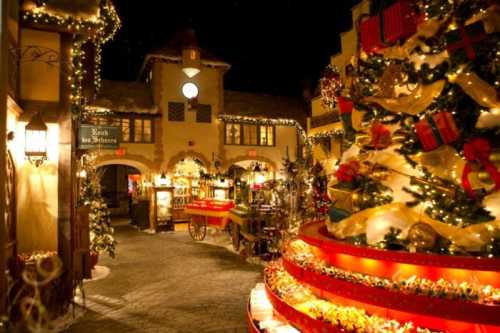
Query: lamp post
x,y
35,146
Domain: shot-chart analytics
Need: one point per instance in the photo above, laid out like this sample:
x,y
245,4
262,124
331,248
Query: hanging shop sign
x,y
104,137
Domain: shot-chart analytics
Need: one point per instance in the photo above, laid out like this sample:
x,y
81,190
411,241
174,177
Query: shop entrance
x,y
188,185
124,192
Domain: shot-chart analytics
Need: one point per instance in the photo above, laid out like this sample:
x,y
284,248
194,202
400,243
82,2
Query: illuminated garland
x,y
97,66
301,254
105,25
269,121
100,28
76,78
348,318
318,137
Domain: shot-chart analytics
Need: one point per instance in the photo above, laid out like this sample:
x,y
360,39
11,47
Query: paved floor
x,y
168,283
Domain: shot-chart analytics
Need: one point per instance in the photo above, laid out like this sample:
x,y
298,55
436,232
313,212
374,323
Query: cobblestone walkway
x,y
168,283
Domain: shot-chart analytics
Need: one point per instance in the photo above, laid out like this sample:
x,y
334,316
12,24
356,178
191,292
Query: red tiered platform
x,y
443,314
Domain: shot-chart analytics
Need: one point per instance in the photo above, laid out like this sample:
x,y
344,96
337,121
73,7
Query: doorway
x,y
123,190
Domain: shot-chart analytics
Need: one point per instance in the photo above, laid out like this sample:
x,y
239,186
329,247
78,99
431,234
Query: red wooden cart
x,y
209,212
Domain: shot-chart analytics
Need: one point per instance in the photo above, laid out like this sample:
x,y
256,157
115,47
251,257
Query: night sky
x,y
274,46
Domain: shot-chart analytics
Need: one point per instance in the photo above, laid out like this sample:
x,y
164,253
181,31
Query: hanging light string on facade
x,y
99,29
270,121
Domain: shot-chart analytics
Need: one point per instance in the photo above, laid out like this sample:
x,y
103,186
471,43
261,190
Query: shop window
x,y
143,130
175,111
250,135
125,129
266,134
233,134
204,113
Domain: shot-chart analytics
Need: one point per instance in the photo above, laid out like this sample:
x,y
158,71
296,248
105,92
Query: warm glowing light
x,y
35,145
190,90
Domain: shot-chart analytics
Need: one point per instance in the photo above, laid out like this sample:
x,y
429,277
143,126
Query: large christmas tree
x,y
428,96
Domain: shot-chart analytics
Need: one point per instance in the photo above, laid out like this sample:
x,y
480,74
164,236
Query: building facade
x,y
50,59
161,128
324,126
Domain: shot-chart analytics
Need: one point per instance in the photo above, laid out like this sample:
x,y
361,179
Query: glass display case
x,y
163,208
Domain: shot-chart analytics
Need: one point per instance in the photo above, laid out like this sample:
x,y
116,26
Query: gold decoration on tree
x,y
415,103
422,237
393,75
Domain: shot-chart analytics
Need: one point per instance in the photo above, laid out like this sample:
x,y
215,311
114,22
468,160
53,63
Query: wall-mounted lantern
x,y
163,181
35,146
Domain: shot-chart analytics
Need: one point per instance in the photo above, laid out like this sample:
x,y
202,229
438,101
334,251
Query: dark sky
x,y
274,46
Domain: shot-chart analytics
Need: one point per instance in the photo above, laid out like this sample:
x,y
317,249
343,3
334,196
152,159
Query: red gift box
x,y
380,136
446,126
400,21
436,130
371,37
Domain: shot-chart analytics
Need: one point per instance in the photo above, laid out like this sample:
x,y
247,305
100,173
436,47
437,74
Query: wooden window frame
x,y
133,118
242,133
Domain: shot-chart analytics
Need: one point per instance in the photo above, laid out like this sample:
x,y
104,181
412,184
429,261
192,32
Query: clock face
x,y
190,90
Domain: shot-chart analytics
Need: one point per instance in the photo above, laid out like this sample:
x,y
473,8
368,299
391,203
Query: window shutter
x,y
204,113
175,111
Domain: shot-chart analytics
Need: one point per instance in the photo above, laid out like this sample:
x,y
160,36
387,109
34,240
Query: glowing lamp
x,y
190,90
191,61
163,181
35,147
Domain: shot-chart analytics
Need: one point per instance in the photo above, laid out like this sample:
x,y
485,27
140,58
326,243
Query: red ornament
x,y
437,130
347,172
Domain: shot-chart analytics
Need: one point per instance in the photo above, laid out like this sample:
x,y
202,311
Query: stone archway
x,y
185,154
242,158
142,164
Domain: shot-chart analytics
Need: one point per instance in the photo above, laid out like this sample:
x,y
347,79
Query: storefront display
x,y
162,208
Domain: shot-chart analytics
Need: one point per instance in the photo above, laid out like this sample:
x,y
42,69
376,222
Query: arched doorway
x,y
187,180
249,174
124,188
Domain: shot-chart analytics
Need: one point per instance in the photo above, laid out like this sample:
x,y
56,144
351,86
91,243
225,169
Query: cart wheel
x,y
235,236
197,229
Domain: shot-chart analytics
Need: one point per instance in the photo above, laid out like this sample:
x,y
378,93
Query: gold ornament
x,y
422,237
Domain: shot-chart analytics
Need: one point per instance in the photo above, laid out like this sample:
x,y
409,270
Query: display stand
x,y
162,209
347,275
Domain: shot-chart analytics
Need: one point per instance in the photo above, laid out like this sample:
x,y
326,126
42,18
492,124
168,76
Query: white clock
x,y
189,90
